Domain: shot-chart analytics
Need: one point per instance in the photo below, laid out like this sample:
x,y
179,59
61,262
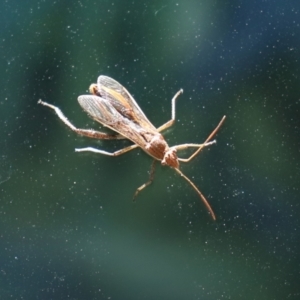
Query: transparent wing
x,y
102,111
99,109
122,101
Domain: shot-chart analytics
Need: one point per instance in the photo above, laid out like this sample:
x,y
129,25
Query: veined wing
x,y
99,109
102,111
122,101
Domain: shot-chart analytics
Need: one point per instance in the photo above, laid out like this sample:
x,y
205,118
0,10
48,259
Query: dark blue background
x,y
69,229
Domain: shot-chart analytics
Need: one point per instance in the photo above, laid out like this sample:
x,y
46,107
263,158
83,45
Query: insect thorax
x,y
158,148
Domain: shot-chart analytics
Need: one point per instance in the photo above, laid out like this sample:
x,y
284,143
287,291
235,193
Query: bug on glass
x,y
111,105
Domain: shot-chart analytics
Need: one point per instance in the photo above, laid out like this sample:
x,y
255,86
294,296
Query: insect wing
x,y
102,111
99,109
122,101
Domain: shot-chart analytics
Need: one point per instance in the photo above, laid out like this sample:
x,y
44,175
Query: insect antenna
x,y
199,193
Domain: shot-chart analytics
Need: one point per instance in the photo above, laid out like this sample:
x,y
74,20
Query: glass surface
x,y
69,228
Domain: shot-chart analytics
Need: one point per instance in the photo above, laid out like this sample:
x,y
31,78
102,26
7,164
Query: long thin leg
x,y
185,146
151,177
85,132
192,145
206,143
116,153
199,193
171,122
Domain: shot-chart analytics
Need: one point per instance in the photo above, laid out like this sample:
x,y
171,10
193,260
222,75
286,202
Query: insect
x,y
111,105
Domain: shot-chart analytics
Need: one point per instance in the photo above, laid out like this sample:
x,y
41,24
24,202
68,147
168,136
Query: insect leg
x,y
185,146
171,122
151,177
86,132
206,143
116,153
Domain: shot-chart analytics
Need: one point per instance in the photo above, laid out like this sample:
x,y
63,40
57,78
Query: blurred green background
x,y
69,228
